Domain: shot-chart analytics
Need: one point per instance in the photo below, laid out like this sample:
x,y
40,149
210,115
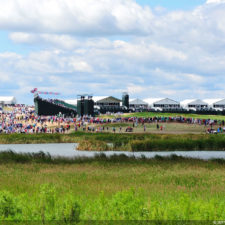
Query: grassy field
x,y
168,128
121,188
153,114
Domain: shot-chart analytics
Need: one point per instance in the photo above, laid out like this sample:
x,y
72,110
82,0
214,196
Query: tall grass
x,y
181,144
41,188
41,157
93,145
123,205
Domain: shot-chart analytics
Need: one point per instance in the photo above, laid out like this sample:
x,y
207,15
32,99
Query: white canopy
x,y
98,98
193,102
95,99
8,100
211,101
137,101
161,101
167,101
151,101
220,102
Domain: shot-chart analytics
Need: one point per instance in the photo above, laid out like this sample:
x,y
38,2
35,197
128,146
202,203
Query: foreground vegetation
x,y
39,187
124,142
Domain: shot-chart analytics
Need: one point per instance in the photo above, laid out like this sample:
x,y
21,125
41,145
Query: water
x,y
69,150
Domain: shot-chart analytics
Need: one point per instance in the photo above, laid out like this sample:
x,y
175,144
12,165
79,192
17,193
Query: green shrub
x,y
70,211
9,208
47,206
125,205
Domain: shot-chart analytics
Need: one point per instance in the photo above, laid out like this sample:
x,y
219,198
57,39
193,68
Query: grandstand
x,y
53,107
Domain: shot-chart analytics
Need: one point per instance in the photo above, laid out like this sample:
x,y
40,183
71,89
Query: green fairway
x,y
153,114
116,188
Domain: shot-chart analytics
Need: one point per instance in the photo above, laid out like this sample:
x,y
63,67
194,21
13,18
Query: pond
x,y
69,150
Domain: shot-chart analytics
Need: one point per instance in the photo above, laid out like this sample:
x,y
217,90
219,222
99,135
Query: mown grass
x,y
43,188
168,127
186,115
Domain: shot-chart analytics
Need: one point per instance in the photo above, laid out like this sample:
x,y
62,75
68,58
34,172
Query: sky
x,y
148,48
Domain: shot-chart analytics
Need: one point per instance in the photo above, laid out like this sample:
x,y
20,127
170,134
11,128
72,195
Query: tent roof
x,y
7,98
151,101
98,98
137,101
161,101
220,102
186,101
167,101
109,99
212,100
193,102
95,99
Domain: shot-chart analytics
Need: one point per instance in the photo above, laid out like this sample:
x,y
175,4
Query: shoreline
x,y
124,142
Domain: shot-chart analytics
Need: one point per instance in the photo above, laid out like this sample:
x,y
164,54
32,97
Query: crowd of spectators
x,y
22,119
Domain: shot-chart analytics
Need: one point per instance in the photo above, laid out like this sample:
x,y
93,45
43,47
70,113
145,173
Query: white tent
x,y
163,103
212,101
167,103
95,99
219,104
194,103
98,98
8,100
138,103
151,101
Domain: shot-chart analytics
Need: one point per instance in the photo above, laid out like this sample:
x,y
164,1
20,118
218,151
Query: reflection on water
x,y
68,150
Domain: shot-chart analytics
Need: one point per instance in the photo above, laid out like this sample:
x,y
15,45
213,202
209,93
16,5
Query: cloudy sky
x,y
150,48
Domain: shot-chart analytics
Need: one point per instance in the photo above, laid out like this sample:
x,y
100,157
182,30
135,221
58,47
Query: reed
x,y
46,190
41,157
181,144
124,142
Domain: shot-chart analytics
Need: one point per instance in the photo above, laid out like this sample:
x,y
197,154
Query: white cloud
x,y
55,40
4,77
81,66
85,17
176,54
135,89
214,1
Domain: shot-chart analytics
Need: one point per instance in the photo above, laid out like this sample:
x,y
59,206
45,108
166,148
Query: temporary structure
x,y
194,103
138,103
163,103
8,100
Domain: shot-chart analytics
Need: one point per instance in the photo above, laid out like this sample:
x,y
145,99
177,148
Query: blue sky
x,y
172,4
150,48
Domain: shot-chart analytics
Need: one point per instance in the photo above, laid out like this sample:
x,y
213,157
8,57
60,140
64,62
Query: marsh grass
x,y
93,145
41,157
124,142
43,188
